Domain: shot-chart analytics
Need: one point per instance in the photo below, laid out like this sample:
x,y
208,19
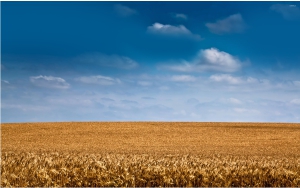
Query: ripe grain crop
x,y
71,170
262,139
139,154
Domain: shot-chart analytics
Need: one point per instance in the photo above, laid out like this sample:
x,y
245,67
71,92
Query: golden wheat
x,y
150,154
274,139
72,170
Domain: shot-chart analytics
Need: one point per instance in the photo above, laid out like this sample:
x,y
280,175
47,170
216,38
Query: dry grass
x,y
150,154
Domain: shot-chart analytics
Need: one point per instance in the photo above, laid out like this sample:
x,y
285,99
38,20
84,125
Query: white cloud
x,y
236,80
115,61
100,80
183,78
124,10
170,30
181,16
231,24
218,60
289,12
49,82
209,60
295,101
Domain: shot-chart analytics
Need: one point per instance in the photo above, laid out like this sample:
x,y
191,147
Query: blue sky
x,y
150,61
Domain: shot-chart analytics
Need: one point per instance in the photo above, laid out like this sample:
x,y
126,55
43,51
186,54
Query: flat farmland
x,y
266,139
150,154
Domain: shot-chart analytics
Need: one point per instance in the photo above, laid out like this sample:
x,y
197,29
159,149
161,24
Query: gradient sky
x,y
150,61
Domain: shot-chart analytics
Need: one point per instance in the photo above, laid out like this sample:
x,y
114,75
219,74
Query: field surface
x,y
150,154
266,139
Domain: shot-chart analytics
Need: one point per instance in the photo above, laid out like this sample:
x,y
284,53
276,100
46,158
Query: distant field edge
x,y
242,122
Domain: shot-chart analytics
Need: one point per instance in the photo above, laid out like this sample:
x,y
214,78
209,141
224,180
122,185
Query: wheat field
x,y
150,154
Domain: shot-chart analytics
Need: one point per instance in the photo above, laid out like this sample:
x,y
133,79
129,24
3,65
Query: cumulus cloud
x,y
99,79
289,12
231,24
124,10
49,82
209,60
183,78
114,61
170,30
218,60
